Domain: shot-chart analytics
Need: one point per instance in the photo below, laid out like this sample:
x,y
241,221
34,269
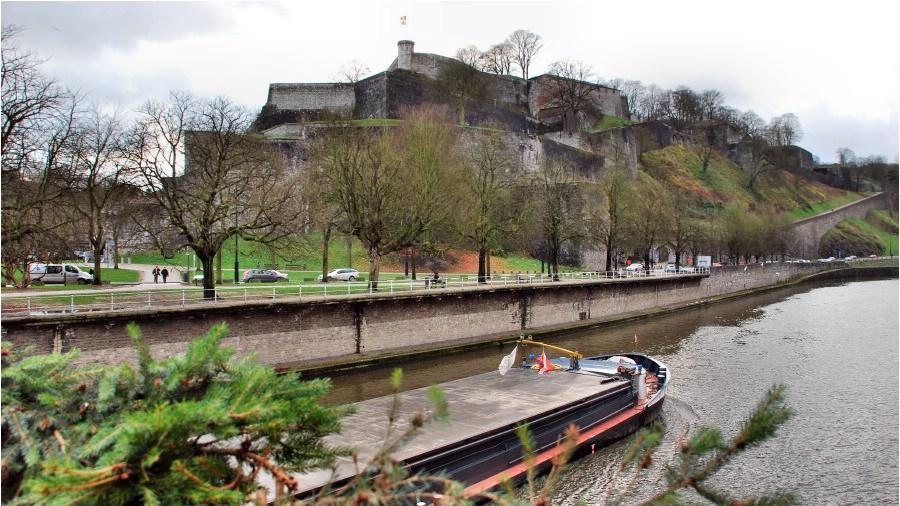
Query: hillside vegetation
x,y
724,182
876,235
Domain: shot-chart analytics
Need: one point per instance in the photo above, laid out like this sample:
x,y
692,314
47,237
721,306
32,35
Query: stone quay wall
x,y
302,332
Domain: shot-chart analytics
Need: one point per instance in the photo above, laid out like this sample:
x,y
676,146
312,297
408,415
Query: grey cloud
x,y
827,131
82,28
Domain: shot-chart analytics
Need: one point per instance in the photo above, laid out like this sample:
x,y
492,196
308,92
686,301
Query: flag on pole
x,y
508,361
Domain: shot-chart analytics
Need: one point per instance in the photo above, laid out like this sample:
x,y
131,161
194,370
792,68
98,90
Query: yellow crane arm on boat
x,y
531,342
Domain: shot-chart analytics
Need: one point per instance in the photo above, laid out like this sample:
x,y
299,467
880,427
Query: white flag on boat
x,y
508,361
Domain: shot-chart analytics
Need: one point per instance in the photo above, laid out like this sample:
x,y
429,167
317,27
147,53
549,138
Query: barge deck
x,y
484,412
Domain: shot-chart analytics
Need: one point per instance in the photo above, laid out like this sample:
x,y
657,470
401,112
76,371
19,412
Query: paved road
x,y
145,277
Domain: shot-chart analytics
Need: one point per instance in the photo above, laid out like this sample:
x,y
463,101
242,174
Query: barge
x,y
606,397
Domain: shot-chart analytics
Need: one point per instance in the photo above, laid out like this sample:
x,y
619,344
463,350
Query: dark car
x,y
264,276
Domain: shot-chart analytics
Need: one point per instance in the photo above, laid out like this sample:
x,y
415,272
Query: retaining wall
x,y
292,332
809,231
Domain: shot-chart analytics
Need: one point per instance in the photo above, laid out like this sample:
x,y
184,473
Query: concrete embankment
x,y
360,330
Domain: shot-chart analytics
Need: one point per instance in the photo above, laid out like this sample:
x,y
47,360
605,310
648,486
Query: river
x,y
835,346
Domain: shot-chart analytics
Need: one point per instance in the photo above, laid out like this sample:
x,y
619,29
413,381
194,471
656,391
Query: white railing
x,y
94,301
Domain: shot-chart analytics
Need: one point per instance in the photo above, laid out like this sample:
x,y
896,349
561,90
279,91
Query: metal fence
x,y
109,300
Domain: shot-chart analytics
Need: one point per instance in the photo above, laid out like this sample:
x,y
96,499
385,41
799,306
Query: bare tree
x,y
561,213
752,125
570,90
632,91
498,59
99,174
648,219
682,226
231,184
784,130
463,82
525,45
39,126
609,223
488,176
353,71
390,186
471,56
710,103
758,164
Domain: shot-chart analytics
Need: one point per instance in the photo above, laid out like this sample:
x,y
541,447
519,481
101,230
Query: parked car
x,y
635,267
59,273
342,275
264,276
671,268
829,259
851,257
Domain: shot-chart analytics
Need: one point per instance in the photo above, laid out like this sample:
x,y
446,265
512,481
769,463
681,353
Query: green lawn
x,y
823,207
610,121
528,264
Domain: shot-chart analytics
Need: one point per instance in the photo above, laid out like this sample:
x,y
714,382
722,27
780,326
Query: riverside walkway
x,y
62,302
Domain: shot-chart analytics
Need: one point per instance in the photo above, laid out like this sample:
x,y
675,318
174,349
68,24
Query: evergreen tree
x,y
197,428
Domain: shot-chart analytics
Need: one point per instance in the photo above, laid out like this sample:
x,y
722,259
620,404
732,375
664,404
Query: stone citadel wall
x,y
337,98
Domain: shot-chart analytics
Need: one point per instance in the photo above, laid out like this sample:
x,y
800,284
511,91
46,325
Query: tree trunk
x,y
115,251
482,265
209,287
98,252
487,263
374,267
350,251
553,267
326,238
219,266
609,255
413,263
677,260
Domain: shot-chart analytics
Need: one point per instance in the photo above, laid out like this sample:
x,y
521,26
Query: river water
x,y
835,346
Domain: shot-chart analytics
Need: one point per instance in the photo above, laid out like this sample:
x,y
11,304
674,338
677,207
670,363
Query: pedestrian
x,y
156,274
165,274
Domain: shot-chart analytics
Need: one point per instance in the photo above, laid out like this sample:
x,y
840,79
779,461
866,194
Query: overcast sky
x,y
834,64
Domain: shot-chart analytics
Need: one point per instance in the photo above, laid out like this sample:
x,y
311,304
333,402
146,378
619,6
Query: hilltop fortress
x,y
524,109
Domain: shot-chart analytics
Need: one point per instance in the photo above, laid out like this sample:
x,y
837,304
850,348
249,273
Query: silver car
x,y
342,275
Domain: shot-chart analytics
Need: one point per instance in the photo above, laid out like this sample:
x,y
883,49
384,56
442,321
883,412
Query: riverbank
x,y
367,329
349,364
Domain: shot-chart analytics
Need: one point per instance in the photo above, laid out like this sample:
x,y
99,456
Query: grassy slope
x,y
852,236
609,121
724,182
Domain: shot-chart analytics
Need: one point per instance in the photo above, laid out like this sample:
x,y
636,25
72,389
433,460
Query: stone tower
x,y
404,54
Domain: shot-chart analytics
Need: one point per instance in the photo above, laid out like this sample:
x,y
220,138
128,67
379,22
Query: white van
x,y
60,273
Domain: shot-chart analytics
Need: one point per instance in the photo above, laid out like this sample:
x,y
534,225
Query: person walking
x,y
156,274
165,274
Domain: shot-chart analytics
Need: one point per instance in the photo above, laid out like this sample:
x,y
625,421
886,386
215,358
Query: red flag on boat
x,y
544,365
